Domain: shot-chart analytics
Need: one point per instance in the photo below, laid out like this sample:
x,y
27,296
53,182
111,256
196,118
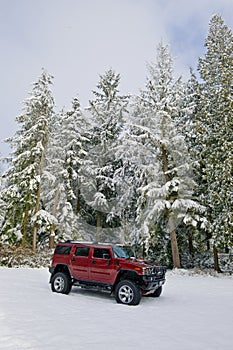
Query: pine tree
x,y
22,193
75,134
107,111
2,205
127,181
66,162
190,125
165,169
216,70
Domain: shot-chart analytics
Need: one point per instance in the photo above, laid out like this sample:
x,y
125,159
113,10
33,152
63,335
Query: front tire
x,y
127,292
61,283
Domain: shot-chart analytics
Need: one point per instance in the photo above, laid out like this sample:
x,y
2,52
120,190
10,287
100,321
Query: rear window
x,y
62,249
101,252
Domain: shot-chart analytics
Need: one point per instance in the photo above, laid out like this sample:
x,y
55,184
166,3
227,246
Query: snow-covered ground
x,y
195,312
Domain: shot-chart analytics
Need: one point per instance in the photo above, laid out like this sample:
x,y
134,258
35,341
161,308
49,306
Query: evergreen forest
x,y
152,170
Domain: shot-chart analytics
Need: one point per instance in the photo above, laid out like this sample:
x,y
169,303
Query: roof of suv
x,y
99,244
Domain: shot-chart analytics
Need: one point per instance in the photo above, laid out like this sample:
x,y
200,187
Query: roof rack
x,y
88,242
76,242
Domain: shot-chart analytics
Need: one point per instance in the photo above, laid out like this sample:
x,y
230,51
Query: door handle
x,y
93,262
73,259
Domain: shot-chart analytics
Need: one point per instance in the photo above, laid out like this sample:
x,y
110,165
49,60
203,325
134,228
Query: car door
x,y
80,262
101,266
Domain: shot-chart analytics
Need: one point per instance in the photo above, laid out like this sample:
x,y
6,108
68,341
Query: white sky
x,y
76,40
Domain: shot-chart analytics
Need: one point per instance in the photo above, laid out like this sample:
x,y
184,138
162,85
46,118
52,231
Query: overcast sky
x,y
76,40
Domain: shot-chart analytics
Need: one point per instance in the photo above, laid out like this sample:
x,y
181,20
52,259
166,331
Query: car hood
x,y
132,262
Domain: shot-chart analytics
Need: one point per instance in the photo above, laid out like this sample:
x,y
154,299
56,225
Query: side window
x,y
101,253
82,251
63,249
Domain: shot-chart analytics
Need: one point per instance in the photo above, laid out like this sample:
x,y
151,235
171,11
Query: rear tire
x,y
127,292
61,283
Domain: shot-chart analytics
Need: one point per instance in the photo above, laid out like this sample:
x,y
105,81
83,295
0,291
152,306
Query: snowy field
x,y
195,312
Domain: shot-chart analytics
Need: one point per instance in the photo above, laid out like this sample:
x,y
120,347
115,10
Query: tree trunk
x,y
98,226
25,225
35,224
171,225
216,260
54,213
174,245
37,203
52,238
190,239
78,202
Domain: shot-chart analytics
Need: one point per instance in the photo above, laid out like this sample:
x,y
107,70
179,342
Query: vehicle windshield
x,y
120,252
129,251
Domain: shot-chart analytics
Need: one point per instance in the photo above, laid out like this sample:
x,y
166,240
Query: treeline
x,y
153,170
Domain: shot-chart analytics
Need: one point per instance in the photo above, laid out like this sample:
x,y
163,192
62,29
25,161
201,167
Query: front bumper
x,y
154,280
149,285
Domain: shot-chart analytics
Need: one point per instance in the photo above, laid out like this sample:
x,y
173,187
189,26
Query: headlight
x,y
146,271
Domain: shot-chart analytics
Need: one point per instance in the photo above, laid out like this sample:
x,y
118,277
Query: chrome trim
x,y
158,271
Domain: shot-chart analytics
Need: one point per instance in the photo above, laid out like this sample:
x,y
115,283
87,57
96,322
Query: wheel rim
x,y
59,284
126,294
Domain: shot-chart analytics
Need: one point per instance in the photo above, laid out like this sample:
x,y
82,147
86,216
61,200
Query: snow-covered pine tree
x,y
66,162
216,70
22,192
2,205
190,125
165,167
188,120
107,111
75,134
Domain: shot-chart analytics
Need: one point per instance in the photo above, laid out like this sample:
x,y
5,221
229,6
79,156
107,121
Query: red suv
x,y
104,267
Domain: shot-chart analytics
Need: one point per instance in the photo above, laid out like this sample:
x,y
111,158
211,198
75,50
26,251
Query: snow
x,y
194,312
